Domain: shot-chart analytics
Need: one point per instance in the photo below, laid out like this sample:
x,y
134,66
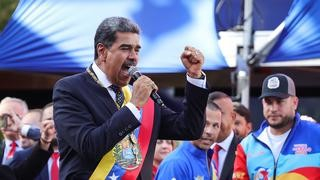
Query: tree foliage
x,y
6,9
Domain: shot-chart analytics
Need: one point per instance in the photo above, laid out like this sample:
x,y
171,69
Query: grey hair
x,y
106,32
17,100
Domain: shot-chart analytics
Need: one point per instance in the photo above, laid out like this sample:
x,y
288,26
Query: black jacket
x,y
29,168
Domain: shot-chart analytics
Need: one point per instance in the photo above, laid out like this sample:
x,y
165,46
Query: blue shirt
x,y
186,162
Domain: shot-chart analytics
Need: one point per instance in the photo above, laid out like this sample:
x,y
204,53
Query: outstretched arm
x,y
42,151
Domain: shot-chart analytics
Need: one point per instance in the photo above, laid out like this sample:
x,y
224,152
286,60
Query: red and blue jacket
x,y
299,157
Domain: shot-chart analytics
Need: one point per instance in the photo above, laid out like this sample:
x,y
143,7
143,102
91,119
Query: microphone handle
x,y
154,95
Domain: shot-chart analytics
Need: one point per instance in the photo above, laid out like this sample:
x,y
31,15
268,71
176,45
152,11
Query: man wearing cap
x,y
284,147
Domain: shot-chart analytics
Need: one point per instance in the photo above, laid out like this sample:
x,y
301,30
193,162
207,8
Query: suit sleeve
x,y
32,166
16,160
188,124
240,171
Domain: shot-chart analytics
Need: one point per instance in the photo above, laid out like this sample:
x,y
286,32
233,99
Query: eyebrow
x,y
130,46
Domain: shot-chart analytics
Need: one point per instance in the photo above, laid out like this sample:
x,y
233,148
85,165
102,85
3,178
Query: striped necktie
x,y
119,94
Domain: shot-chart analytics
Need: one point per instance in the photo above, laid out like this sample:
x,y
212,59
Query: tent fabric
x,y
57,35
229,14
299,42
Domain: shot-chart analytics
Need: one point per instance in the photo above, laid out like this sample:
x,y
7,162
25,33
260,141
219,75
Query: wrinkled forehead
x,y
9,107
127,38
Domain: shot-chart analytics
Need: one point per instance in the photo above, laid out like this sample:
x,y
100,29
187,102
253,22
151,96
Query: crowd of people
x,y
102,125
29,141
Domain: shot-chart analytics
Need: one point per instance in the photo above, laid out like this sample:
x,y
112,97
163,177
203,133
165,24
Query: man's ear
x,y
102,51
233,115
295,102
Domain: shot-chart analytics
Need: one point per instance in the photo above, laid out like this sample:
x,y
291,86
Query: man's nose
x,y
133,55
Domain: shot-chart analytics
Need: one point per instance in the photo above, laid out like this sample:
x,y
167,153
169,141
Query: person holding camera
x,y
11,112
32,120
41,152
51,169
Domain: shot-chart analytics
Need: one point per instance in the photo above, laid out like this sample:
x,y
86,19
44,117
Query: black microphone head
x,y
132,70
135,74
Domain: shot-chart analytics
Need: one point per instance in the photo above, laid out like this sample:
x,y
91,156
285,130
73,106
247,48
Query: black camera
x,y
4,118
26,130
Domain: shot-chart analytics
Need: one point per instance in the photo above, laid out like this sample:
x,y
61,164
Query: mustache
x,y
130,63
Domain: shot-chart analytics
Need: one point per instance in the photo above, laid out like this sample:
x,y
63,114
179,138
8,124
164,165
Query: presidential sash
x,y
125,160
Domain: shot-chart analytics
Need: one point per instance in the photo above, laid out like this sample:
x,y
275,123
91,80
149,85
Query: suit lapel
x,y
227,169
108,101
45,172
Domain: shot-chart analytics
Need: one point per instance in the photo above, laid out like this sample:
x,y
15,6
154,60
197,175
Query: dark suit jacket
x,y
20,156
227,169
89,124
2,146
2,149
29,168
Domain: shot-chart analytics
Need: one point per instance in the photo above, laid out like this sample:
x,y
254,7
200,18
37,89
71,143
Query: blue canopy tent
x,y
298,44
57,35
294,49
267,15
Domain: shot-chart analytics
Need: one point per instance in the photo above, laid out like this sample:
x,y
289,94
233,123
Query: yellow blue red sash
x,y
108,167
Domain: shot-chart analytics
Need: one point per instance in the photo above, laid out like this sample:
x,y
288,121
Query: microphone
x,y
135,74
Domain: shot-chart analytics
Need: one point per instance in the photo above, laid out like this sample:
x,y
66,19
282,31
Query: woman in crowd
x,y
163,148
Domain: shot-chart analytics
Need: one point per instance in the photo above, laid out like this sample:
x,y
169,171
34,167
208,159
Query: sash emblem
x,y
127,153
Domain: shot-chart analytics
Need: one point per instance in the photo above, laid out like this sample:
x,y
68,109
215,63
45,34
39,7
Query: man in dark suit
x,y
22,156
107,129
11,110
225,148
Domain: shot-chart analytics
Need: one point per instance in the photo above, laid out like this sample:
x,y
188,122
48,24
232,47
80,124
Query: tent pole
x,y
247,49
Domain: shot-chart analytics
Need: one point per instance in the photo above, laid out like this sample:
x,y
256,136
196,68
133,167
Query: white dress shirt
x,y
225,144
7,149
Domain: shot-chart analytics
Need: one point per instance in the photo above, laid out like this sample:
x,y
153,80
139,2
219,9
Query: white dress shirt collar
x,y
225,144
8,143
102,77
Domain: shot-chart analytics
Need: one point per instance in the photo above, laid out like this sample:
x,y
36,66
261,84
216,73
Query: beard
x,y
283,123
